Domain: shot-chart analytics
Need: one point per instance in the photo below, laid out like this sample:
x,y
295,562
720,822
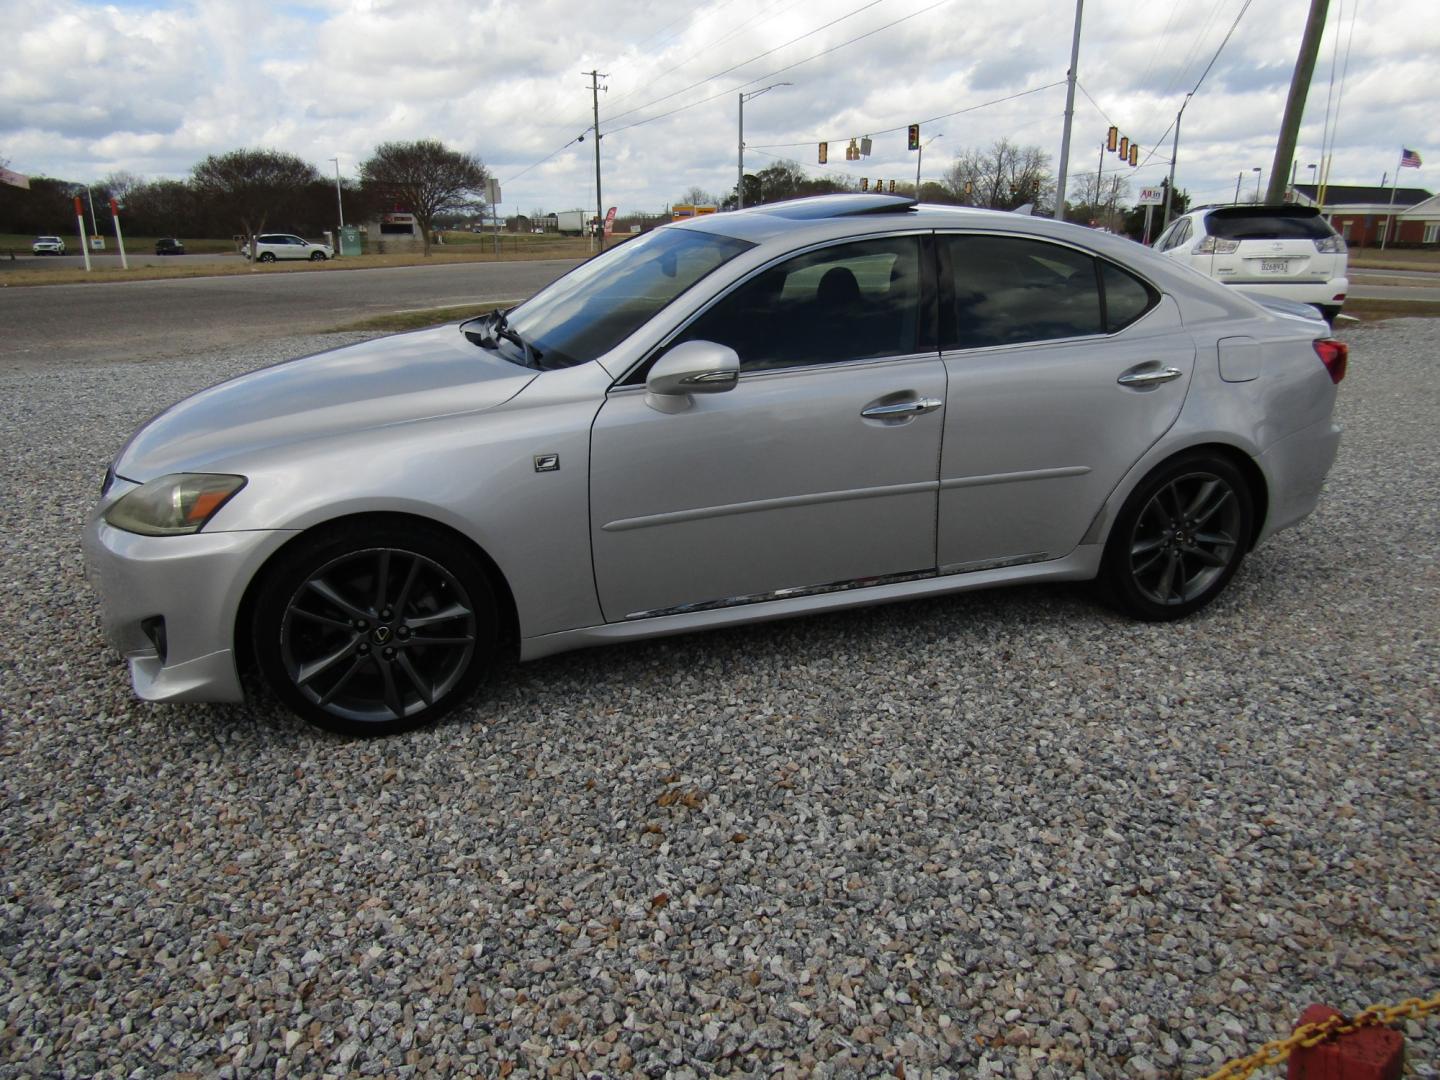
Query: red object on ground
x,y
1372,1053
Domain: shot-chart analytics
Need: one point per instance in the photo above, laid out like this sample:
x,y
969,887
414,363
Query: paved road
x,y
145,320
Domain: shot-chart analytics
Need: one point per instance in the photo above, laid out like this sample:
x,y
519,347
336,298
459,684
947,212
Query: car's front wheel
x,y
317,256
1179,539
373,628
267,256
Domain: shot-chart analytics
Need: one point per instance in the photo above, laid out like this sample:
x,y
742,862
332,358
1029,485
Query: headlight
x,y
173,505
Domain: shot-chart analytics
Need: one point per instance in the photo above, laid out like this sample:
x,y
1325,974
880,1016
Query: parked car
x,y
800,407
272,246
169,246
48,245
1286,251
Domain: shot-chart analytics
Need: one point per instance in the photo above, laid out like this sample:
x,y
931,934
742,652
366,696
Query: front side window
x,y
1008,289
851,301
597,305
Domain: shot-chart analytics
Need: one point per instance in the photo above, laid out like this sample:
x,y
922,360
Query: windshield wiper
x,y
494,327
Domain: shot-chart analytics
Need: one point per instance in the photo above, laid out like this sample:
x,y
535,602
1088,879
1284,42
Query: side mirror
x,y
694,367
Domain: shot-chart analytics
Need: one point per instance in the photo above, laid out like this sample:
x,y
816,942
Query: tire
x,y
318,256
267,256
1329,311
340,619
1179,539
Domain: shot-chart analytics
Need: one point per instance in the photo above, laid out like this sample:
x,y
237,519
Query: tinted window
x,y
1242,223
1012,290
846,302
601,302
1126,297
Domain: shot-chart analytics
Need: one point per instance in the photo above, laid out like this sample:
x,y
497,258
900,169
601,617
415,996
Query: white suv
x,y
1286,251
48,245
272,246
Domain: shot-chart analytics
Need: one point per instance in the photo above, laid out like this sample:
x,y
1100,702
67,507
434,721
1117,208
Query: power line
x,y
787,67
902,127
743,63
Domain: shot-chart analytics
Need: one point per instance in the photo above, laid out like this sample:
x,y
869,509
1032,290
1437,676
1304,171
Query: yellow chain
x,y
1273,1053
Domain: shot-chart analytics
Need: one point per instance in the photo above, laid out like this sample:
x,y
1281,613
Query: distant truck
x,y
574,222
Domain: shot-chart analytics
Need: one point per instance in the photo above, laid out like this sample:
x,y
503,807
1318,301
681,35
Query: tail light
x,y
1331,245
1214,245
1334,355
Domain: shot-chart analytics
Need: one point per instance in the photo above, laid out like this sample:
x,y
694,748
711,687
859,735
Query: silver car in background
x,y
800,407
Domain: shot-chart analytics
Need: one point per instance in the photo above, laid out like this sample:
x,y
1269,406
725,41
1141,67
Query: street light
x,y
1256,171
1238,177
740,183
920,156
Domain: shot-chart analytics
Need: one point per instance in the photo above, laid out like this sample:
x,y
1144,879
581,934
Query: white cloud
x,y
153,86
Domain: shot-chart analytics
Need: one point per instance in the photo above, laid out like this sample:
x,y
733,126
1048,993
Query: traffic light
x,y
1134,154
914,136
1112,138
864,183
824,152
892,187
1124,147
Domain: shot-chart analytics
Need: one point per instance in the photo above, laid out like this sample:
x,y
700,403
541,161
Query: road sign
x,y
1151,196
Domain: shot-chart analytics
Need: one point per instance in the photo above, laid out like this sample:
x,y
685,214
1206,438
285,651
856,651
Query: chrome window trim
x,y
833,365
789,253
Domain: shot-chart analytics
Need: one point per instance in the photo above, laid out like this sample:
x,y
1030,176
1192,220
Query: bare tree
x,y
254,184
1003,177
1100,199
122,184
697,196
427,179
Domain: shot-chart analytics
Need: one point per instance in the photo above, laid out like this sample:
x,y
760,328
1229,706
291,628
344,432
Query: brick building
x,y
1360,214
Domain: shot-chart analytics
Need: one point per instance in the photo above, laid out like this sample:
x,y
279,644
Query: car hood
x,y
379,383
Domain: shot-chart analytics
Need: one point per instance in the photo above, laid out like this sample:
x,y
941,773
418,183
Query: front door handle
x,y
1142,379
901,408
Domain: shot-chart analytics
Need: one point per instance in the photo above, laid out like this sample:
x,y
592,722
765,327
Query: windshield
x,y
600,303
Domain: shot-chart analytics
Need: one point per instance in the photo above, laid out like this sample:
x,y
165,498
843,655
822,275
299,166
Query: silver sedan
x,y
800,407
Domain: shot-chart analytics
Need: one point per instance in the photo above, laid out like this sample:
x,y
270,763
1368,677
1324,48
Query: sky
x,y
152,86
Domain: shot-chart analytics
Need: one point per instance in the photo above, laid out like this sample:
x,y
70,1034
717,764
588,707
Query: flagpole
x,y
1391,210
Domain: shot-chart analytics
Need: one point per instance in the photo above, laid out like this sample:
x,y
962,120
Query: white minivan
x,y
1286,251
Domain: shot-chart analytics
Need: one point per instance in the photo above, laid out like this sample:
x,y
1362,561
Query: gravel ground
x,y
1006,834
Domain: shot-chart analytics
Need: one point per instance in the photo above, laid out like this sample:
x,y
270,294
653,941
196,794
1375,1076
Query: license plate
x,y
1274,266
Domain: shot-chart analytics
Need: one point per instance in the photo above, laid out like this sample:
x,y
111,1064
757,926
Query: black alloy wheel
x,y
317,256
1179,539
370,632
267,256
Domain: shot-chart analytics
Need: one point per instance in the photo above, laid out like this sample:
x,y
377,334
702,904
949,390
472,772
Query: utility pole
x,y
339,204
595,88
1175,153
1295,102
1059,214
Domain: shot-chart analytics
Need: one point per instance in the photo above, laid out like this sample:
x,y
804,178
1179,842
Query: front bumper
x,y
195,585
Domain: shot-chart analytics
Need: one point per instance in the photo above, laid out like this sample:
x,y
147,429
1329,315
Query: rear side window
x,y
1126,297
1008,290
1242,224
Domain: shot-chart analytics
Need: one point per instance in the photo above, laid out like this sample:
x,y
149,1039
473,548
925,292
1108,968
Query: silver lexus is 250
x,y
799,407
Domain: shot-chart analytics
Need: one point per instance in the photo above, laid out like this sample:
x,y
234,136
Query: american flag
x,y
1409,159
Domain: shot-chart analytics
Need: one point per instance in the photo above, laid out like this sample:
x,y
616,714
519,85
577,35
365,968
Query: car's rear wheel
x,y
372,629
1329,311
267,256
317,256
1179,539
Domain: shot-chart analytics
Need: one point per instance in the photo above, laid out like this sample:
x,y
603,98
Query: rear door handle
x,y
902,408
1142,379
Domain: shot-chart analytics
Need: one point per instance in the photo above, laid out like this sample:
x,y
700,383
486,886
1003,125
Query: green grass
x,y
134,245
1396,258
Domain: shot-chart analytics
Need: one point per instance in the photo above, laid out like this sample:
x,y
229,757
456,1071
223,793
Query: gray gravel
x,y
1007,834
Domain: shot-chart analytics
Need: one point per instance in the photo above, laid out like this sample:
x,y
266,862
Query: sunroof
x,y
829,206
